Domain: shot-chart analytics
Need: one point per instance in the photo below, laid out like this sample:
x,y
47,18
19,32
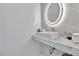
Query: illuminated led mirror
x,y
53,13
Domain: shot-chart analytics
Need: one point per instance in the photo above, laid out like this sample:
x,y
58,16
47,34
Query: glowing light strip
x,y
59,18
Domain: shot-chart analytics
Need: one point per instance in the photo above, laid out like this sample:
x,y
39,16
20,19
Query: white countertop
x,y
66,42
63,41
60,43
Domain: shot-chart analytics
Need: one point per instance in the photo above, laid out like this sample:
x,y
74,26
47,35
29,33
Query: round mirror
x,y
53,13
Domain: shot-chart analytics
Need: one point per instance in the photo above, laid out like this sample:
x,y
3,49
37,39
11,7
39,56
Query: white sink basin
x,y
48,35
75,37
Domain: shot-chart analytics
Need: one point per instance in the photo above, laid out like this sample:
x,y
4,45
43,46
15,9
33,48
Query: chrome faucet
x,y
53,29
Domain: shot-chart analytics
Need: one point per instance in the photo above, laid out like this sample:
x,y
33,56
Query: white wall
x,y
70,21
16,28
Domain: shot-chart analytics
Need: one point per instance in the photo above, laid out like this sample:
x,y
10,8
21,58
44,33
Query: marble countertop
x,y
62,41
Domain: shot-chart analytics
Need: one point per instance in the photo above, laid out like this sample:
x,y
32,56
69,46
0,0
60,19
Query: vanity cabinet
x,y
62,44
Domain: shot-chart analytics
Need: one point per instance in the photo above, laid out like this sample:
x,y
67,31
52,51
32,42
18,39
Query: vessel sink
x,y
75,37
48,35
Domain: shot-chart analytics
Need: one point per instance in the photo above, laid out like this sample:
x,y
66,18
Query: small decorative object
x,y
65,34
40,30
68,35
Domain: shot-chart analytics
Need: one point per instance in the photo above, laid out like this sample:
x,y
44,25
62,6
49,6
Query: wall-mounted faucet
x,y
53,29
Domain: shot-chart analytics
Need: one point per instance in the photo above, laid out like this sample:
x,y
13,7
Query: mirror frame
x,y
46,12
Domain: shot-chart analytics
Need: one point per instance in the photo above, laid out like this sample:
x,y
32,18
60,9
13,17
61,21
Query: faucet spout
x,y
53,29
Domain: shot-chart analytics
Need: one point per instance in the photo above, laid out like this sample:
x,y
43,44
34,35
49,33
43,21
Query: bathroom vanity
x,y
68,46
